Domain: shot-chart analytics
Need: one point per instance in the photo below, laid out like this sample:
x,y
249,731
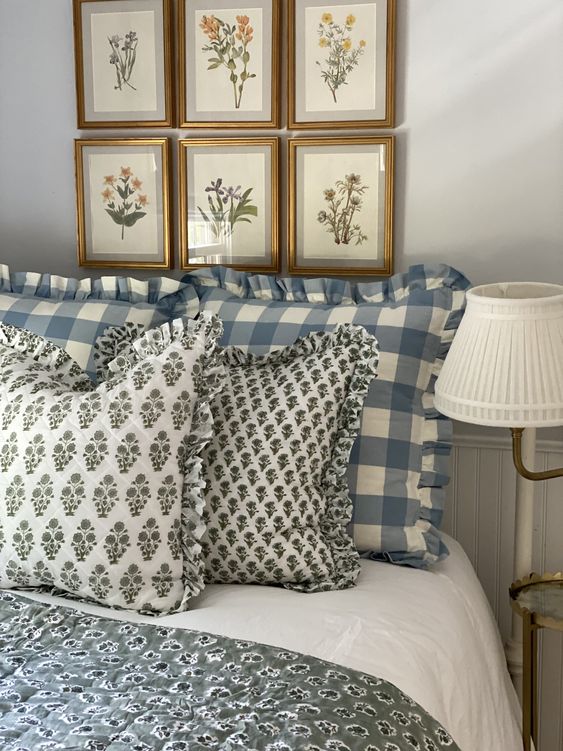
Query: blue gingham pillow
x,y
73,313
399,464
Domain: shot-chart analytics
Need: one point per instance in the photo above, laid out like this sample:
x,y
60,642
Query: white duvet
x,y
431,633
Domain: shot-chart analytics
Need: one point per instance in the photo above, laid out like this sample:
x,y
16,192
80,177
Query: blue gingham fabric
x,y
400,461
73,313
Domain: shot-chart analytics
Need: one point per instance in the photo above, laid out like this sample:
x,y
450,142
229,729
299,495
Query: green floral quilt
x,y
73,681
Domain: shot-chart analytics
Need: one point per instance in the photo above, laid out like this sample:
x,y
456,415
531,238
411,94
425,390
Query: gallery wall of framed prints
x,y
210,72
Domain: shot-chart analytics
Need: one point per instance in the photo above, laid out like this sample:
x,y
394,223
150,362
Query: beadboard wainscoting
x,y
480,514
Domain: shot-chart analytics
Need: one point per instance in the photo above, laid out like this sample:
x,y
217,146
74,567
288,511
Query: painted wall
x,y
480,136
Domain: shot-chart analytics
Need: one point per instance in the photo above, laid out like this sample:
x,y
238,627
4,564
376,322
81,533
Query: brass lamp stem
x,y
521,469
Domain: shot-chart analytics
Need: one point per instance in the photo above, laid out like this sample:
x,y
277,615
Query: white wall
x,y
479,179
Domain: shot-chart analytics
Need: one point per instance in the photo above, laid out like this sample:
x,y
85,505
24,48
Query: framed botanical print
x,y
229,64
123,57
123,202
340,217
229,203
341,64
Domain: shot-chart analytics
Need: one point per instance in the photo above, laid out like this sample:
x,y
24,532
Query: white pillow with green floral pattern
x,y
101,487
276,499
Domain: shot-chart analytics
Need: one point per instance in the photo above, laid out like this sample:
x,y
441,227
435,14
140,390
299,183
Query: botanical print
x,y
204,691
123,58
123,202
125,52
227,206
227,62
228,45
228,202
343,56
337,68
339,214
344,201
108,468
128,211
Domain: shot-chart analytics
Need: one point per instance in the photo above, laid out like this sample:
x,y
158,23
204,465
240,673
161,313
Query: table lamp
x,y
505,369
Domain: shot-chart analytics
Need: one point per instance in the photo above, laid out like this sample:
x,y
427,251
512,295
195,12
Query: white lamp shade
x,y
505,364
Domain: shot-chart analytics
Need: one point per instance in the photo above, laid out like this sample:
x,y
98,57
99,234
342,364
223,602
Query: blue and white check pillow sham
x,y
73,313
400,461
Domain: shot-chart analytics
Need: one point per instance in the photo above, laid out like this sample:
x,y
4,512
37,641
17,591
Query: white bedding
x,y
432,634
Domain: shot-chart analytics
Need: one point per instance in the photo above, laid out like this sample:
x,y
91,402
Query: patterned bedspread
x,y
73,681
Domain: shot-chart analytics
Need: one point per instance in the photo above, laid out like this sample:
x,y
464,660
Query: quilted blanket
x,y
73,681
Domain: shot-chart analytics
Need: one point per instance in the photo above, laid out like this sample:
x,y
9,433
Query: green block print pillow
x,y
276,499
100,487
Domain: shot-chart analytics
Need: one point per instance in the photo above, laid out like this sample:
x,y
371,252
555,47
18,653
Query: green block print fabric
x,y
276,498
97,483
83,682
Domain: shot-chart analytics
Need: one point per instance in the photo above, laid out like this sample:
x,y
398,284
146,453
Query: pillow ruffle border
x,y
161,291
208,380
334,485
325,291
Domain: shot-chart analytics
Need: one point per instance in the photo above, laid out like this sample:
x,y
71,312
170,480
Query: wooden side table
x,y
539,600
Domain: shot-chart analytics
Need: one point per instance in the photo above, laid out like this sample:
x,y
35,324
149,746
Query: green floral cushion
x,y
100,487
276,498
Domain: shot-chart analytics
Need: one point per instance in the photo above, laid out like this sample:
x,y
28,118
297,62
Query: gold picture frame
x,y
107,59
348,227
192,65
229,203
312,107
123,203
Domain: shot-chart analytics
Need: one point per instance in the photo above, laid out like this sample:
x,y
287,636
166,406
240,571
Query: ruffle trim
x,y
364,351
46,354
115,339
124,289
205,332
325,291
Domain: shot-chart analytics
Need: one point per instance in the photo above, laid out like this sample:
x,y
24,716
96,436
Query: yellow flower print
x,y
350,20
327,18
323,42
362,42
347,44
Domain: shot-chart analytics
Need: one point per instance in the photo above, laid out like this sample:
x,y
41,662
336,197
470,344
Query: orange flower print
x,y
127,209
228,45
245,30
210,26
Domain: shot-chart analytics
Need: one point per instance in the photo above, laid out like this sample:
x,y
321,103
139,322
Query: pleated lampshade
x,y
505,365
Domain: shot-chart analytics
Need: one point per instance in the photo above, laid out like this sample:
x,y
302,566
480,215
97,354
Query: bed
x,y
123,494
431,634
